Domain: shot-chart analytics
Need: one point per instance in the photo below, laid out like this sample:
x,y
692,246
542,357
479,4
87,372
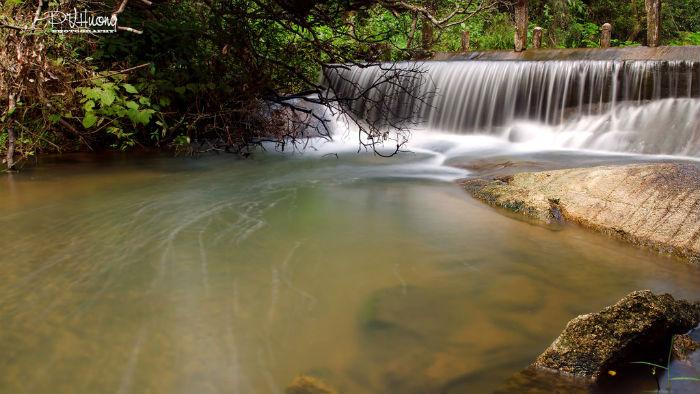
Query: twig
x,y
126,70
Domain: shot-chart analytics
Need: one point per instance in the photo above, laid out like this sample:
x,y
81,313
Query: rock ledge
x,y
654,205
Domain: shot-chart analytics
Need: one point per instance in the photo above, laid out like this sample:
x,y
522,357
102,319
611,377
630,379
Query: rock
x,y
683,345
654,205
638,327
303,384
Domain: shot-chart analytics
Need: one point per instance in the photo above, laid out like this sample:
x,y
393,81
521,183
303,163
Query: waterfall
x,y
630,106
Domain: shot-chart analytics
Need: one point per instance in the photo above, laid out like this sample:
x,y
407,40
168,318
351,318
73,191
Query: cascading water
x,y
650,107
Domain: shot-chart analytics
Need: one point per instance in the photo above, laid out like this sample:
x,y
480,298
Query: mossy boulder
x,y
638,327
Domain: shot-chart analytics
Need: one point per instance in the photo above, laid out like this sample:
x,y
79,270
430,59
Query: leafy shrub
x,y
686,38
111,104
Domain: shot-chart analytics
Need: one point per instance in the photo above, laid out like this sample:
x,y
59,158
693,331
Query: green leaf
x,y
164,101
129,88
91,93
89,120
54,118
144,100
132,105
144,116
89,105
107,97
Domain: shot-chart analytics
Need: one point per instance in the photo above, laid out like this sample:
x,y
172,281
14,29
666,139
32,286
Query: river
x,y
142,274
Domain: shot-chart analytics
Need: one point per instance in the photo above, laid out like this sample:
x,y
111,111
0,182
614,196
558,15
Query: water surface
x,y
216,275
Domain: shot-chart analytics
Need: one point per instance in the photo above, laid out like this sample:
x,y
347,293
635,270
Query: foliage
x,y
207,71
686,38
116,106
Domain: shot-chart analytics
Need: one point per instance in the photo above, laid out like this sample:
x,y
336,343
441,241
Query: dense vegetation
x,y
200,74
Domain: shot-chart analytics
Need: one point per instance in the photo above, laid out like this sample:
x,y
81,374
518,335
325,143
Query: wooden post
x,y
653,8
465,41
605,32
521,20
537,38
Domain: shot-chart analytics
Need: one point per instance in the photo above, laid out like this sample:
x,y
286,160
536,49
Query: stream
x,y
153,274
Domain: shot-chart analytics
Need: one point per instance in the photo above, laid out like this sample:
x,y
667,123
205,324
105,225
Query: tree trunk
x,y
427,35
10,154
637,26
653,8
427,28
465,41
521,20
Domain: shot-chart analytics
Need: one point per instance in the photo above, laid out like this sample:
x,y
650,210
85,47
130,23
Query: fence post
x,y
465,41
605,32
537,38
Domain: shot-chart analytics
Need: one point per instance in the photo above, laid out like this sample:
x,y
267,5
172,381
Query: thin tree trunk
x,y
412,33
465,41
521,21
10,154
653,8
427,29
427,35
637,26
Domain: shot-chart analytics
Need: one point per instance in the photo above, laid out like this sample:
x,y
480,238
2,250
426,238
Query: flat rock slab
x,y
654,205
638,327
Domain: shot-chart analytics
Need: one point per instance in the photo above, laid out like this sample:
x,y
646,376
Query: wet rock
x,y
654,205
536,381
683,345
638,327
303,384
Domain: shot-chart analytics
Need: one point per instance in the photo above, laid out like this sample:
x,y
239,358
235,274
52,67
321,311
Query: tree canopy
x,y
183,71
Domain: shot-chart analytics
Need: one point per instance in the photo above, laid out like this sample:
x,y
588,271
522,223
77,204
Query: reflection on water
x,y
224,276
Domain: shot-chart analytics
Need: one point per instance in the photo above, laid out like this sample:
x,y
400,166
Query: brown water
x,y
224,276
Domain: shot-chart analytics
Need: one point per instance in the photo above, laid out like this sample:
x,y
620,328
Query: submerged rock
x,y
638,327
304,384
654,205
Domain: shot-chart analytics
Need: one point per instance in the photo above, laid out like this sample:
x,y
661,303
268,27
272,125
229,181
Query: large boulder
x,y
639,327
655,205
